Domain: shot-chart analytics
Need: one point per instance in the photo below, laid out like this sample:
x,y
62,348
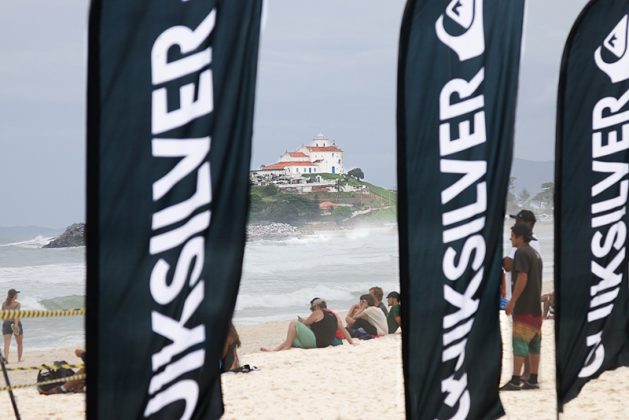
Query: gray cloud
x,y
326,66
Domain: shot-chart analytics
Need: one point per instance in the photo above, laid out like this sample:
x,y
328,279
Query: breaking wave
x,y
299,297
63,302
37,242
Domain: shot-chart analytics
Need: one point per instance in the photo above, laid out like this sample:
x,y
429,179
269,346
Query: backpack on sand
x,y
54,372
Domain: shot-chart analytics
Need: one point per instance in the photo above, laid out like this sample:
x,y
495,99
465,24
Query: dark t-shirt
x,y
394,312
384,308
527,260
325,329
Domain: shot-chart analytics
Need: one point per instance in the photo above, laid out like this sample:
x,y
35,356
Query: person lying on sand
x,y
318,330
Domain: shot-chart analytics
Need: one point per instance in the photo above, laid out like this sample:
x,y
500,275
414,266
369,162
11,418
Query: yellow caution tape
x,y
42,367
52,381
13,314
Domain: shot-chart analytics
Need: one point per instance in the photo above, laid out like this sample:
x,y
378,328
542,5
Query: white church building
x,y
322,156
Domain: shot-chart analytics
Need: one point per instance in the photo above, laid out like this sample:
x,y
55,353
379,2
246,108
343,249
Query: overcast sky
x,y
327,66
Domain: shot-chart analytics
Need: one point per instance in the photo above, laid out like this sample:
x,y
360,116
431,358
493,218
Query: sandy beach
x,y
344,382
365,381
30,403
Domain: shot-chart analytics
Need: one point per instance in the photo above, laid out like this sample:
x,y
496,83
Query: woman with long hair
x,y
12,326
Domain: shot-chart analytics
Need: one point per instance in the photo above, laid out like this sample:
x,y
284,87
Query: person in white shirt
x,y
368,317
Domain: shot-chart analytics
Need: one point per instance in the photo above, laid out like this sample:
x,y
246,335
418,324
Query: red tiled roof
x,y
296,154
327,205
323,149
282,165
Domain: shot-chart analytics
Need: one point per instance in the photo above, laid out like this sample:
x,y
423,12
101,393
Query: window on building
x,y
339,161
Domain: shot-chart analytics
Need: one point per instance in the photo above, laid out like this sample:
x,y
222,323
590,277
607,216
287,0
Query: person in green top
x,y
394,318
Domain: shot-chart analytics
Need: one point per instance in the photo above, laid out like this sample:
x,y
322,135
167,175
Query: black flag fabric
x,y
170,109
457,86
591,187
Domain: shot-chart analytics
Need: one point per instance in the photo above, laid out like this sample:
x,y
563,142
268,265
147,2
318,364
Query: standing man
x,y
527,218
525,305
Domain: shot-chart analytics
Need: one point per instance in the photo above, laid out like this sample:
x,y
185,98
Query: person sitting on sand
x,y
548,300
341,332
318,330
394,319
378,294
229,358
12,326
366,316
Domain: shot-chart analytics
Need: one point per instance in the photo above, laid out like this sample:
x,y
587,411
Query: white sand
x,y
30,403
365,381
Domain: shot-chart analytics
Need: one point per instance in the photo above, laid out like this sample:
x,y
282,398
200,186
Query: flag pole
x,y
10,390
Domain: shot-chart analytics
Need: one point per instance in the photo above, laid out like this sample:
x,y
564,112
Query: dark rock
x,y
74,235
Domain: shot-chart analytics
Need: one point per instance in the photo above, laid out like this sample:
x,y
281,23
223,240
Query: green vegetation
x,y
356,173
269,204
542,202
370,204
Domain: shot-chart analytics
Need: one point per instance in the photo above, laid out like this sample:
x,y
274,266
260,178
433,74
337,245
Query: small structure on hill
x,y
322,156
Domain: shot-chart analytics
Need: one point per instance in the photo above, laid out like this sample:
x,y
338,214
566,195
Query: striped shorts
x,y
527,334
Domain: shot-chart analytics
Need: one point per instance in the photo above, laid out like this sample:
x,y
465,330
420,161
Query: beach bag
x,y
51,373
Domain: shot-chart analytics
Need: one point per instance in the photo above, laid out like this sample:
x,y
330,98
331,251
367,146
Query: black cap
x,y
394,295
13,292
525,216
520,229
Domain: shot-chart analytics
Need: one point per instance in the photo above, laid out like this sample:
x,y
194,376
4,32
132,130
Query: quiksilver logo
x,y
615,47
468,14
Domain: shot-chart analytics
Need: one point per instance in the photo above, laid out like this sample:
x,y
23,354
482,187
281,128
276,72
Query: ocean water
x,y
279,277
46,279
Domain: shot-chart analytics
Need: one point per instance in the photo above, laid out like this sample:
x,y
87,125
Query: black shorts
x,y
7,327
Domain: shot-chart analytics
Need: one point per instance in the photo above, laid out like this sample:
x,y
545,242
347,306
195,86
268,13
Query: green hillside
x,y
373,204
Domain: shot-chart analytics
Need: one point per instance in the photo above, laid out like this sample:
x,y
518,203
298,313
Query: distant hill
x,y
530,174
24,233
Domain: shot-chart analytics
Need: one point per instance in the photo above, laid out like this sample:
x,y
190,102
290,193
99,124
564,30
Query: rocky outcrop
x,y
74,235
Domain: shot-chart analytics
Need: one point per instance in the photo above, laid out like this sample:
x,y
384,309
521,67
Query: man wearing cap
x,y
527,218
525,305
394,318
